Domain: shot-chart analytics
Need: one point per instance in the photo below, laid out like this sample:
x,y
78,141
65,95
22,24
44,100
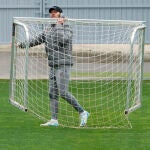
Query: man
x,y
58,45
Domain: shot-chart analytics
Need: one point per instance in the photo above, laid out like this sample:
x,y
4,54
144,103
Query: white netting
x,y
105,76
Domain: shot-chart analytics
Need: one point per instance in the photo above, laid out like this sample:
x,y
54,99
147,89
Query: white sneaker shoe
x,y
52,122
83,118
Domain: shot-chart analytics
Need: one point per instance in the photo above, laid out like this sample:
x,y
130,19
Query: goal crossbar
x,y
81,21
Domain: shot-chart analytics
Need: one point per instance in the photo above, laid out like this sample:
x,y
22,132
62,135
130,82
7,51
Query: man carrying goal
x,y
58,46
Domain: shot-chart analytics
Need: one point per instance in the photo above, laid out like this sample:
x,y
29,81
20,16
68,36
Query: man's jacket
x,y
58,44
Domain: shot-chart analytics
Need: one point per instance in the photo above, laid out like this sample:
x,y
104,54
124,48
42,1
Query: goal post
x,y
22,106
106,76
138,89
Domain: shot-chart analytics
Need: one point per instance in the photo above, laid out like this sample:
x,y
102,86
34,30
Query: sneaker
x,y
52,122
84,116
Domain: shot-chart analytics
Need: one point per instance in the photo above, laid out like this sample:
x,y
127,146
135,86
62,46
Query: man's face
x,y
54,14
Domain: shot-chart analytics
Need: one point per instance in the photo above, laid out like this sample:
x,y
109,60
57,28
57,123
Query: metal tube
x,y
85,21
11,95
139,28
142,40
26,61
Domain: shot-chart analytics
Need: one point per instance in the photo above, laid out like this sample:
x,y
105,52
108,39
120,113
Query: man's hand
x,y
20,45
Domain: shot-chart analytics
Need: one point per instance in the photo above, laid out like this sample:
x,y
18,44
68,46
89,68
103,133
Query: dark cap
x,y
55,8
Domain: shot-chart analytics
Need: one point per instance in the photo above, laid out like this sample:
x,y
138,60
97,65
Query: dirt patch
x,y
93,52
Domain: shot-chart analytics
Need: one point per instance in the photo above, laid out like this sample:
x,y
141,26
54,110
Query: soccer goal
x,y
106,76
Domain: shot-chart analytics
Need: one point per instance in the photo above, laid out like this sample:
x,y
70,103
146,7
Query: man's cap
x,y
55,8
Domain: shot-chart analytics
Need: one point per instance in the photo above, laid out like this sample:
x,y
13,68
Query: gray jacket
x,y
58,44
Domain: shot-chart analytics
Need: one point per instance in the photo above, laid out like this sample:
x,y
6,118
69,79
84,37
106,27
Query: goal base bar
x,y
16,104
132,108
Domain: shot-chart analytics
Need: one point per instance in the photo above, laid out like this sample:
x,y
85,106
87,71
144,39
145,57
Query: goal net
x,y
105,78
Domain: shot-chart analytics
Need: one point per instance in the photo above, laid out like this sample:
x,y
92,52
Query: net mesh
x,y
105,77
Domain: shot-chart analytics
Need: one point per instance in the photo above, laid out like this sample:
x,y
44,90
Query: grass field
x,y
20,130
104,99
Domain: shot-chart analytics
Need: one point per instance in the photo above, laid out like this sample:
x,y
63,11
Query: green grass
x,y
105,100
146,75
20,130
104,74
99,74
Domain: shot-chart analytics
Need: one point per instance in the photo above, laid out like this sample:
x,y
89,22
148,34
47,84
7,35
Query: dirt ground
x,y
81,51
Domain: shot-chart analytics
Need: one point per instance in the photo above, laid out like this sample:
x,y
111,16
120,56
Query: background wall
x,y
92,9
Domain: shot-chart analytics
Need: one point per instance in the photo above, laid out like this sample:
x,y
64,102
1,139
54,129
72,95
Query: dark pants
x,y
58,86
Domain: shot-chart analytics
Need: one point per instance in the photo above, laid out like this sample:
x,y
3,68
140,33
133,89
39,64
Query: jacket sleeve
x,y
63,33
33,42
